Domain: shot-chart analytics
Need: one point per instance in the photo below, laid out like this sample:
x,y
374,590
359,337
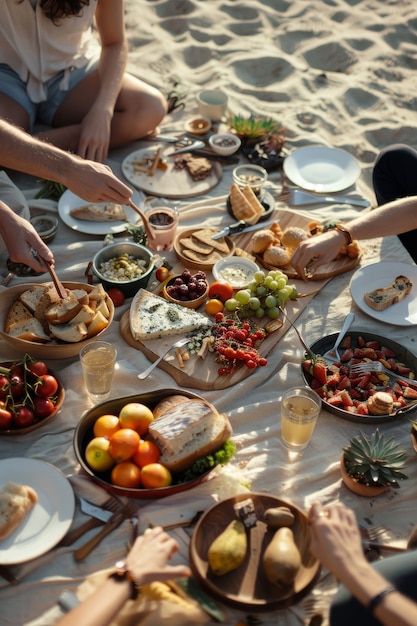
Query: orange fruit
x,y
106,426
214,306
148,452
155,475
126,474
136,416
123,444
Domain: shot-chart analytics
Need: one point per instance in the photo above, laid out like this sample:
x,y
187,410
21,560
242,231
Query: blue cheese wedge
x,y
153,317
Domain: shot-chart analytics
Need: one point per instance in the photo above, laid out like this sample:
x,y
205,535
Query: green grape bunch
x,y
263,296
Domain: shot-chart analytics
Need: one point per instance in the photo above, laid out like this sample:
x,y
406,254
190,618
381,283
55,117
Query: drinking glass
x,y
98,359
300,408
163,220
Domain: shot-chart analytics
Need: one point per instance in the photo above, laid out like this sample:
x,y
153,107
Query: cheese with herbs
x,y
153,317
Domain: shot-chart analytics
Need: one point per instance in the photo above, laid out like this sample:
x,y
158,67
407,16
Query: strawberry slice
x,y
388,352
320,372
410,393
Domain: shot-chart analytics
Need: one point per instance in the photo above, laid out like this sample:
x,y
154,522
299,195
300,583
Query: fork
x,y
177,344
112,504
332,355
377,366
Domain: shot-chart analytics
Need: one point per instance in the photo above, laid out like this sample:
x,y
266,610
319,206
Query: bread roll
x,y
276,256
15,503
292,237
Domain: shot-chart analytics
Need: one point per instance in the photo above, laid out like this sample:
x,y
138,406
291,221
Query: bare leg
x,y
11,111
139,109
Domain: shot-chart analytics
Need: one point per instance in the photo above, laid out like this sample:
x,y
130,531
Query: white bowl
x,y
235,270
224,143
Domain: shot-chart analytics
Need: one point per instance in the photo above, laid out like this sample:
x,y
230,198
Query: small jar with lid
x,y
252,175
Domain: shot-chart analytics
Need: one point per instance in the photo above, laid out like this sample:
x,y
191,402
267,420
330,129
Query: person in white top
x,y
54,72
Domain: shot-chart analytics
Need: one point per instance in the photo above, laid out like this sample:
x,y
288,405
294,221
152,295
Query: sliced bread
x,y
29,330
15,503
18,312
384,297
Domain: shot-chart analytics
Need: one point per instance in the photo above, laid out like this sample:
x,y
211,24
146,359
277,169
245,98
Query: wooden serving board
x,y
199,373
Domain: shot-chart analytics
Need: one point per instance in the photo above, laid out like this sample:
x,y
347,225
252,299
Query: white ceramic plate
x,y
235,270
382,274
170,182
49,519
69,201
321,169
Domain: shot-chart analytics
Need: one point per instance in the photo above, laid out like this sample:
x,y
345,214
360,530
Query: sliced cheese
x,y
153,317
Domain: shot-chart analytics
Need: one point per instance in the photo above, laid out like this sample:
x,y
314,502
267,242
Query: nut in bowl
x,y
126,266
224,144
25,327
187,289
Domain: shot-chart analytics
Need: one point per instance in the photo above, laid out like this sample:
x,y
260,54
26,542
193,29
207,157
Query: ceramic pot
x,y
359,488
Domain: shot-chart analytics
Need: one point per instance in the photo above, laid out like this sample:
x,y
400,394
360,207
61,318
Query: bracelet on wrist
x,y
342,229
121,574
376,600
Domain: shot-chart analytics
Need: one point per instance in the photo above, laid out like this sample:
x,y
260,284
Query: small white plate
x,y
322,169
50,518
382,274
235,270
69,201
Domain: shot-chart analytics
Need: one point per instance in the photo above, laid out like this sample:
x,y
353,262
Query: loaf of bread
x,y
381,299
15,503
188,431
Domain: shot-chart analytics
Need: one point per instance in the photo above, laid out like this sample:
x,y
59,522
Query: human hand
x,y
316,251
148,559
335,538
95,182
94,138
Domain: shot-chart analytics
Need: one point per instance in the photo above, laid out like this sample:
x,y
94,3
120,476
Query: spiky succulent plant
x,y
376,461
255,127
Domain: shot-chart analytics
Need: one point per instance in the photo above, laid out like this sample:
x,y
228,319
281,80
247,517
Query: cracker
x,y
197,246
213,257
205,235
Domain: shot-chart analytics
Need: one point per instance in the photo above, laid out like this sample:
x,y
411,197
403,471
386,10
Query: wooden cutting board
x,y
199,373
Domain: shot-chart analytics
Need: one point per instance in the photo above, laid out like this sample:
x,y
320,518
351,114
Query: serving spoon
x,y
146,223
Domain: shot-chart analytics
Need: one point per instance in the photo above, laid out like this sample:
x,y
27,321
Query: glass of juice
x,y
98,359
163,219
300,408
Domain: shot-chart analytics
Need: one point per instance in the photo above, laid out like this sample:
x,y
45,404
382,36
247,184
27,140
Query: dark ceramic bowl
x,y
128,287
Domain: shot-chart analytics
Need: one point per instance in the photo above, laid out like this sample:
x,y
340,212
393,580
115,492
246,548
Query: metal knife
x,y
240,227
98,516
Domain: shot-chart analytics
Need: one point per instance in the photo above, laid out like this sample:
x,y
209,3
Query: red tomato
x,y
5,419
43,407
4,387
24,417
116,295
38,369
220,290
47,387
162,274
17,386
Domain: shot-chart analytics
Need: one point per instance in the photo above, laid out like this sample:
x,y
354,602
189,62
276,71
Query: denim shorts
x,y
42,112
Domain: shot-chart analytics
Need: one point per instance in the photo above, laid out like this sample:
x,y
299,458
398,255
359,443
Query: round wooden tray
x,y
246,587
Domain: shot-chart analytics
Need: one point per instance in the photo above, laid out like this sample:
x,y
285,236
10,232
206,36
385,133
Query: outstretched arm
x,y
393,218
336,542
147,561
94,182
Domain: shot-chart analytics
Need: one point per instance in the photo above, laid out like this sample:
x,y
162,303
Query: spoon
x,y
332,355
196,145
146,223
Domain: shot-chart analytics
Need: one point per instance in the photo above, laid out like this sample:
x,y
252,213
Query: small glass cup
x,y
163,219
254,176
300,408
98,359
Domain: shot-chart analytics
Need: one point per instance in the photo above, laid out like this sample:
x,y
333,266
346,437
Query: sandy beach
x,y
339,73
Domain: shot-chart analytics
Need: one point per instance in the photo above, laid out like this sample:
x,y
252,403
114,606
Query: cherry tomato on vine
x,y
17,386
5,419
47,387
39,368
4,387
24,417
43,407
220,290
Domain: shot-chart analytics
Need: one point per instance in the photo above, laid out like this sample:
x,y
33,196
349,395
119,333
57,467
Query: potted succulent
x,y
414,434
371,466
262,139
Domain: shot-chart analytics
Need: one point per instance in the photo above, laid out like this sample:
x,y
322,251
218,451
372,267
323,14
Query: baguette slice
x,y
15,503
381,299
101,212
188,432
18,312
29,330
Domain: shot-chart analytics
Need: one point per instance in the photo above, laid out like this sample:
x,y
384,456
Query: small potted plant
x,y
371,466
414,434
262,139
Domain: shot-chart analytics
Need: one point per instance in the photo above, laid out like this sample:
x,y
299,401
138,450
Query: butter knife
x,y
240,227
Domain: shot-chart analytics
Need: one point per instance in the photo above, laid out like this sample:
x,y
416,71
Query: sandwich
x,y
15,503
381,299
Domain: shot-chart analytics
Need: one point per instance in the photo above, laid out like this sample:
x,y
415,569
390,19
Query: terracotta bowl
x,y
204,265
84,433
41,350
189,304
359,488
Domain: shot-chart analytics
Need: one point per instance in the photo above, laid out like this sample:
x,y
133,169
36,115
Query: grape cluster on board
x,y
264,296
